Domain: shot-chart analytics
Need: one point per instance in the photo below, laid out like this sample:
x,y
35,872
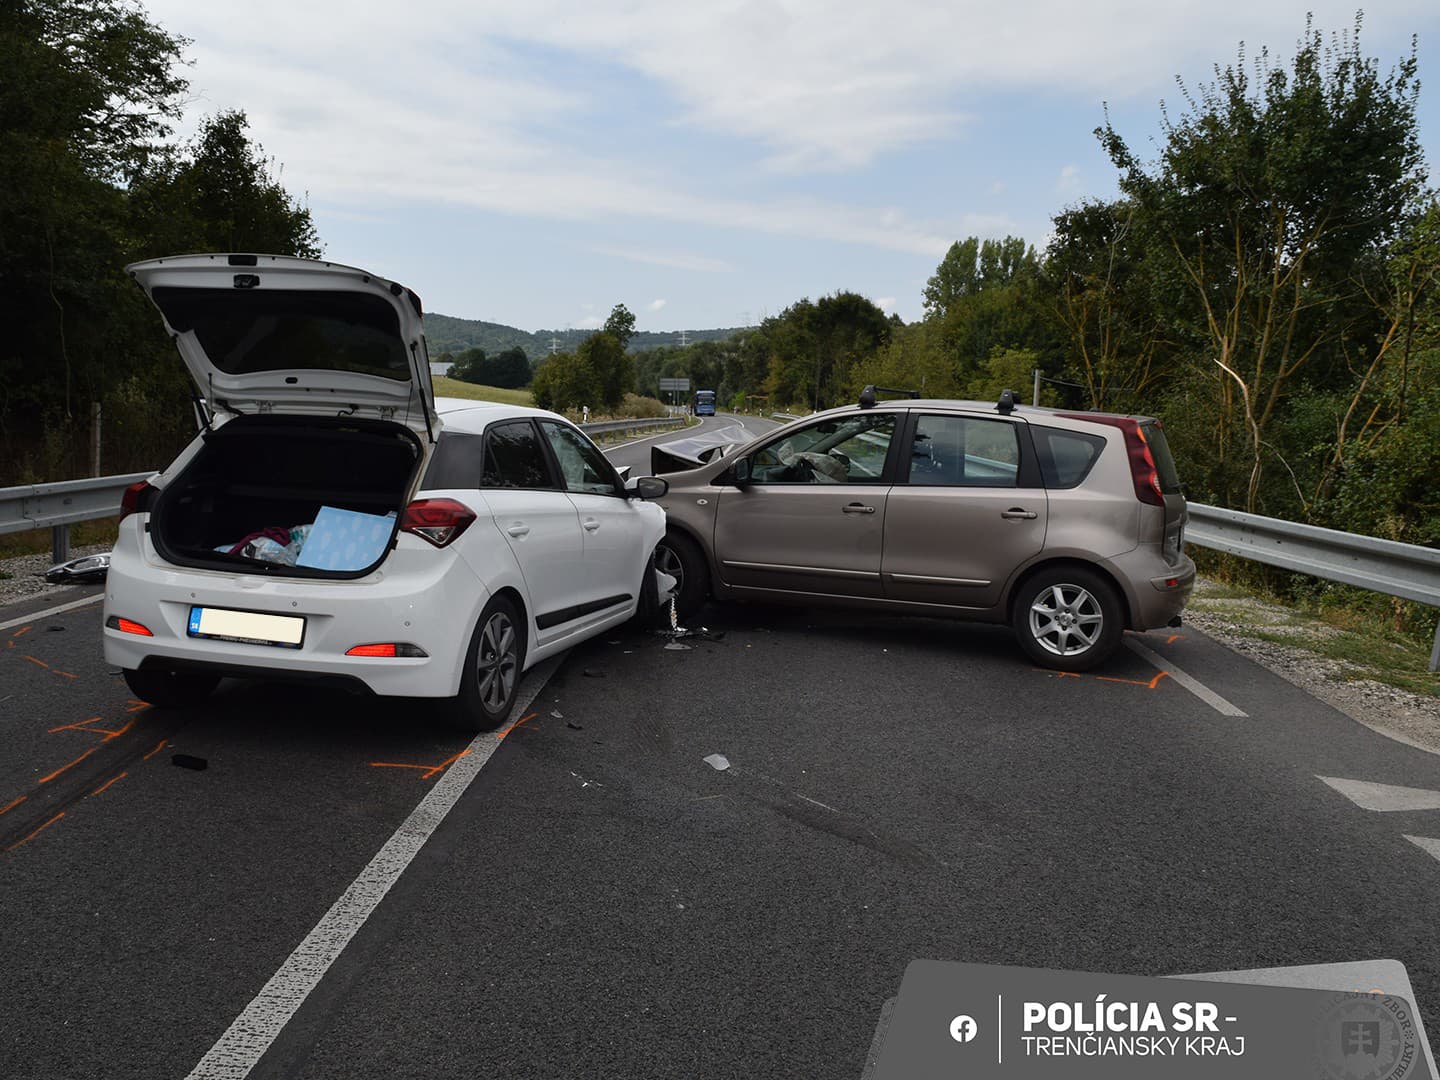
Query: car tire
x,y
649,615
170,689
493,665
1068,618
681,558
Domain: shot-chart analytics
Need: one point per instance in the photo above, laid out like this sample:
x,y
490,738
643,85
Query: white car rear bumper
x,y
419,596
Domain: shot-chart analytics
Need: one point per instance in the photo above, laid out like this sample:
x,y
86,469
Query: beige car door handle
x,y
517,530
1018,513
858,508
590,524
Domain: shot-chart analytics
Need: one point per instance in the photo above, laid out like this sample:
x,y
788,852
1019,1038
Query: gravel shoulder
x,y
26,574
1236,621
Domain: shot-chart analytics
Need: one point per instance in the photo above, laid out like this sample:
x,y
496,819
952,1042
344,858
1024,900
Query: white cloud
x,y
656,305
674,259
1068,182
370,104
885,303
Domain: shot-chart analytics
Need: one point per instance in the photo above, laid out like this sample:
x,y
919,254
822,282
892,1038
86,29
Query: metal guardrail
x,y
603,427
1384,566
60,505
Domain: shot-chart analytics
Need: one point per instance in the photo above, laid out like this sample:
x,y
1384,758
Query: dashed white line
x,y
243,1044
1194,685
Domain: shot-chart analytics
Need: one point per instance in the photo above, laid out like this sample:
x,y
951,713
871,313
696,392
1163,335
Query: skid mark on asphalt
x,y
817,815
22,833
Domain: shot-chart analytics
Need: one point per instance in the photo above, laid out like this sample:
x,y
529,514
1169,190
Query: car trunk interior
x,y
259,483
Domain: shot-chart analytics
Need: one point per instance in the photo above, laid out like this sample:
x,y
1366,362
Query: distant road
x,y
637,454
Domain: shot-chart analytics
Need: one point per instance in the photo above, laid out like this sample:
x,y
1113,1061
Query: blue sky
x,y
709,162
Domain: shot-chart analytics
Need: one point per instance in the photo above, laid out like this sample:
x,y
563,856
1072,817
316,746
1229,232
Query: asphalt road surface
x,y
601,901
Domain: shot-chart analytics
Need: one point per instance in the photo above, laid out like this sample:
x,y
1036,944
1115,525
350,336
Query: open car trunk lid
x,y
276,334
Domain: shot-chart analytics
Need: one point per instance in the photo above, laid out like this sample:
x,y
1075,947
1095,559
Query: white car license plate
x,y
250,627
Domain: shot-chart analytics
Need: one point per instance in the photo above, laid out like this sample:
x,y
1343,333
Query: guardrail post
x,y
1435,652
59,543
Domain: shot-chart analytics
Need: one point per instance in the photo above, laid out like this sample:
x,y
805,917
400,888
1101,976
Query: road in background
x,y
636,454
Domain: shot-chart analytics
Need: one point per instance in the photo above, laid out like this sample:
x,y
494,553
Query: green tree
x,y
1275,197
620,325
613,368
564,381
470,367
510,369
221,195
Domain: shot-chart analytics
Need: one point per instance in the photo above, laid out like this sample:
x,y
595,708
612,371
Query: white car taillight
x,y
135,499
438,521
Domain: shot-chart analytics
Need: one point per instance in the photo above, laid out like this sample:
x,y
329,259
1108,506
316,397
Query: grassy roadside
x,y
475,392
1357,644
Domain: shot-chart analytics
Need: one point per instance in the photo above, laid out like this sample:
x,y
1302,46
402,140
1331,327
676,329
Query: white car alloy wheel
x,y
1066,620
493,664
497,662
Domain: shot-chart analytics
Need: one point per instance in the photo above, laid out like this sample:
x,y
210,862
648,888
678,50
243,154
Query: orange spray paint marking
x,y
84,725
112,780
136,706
1134,682
446,764
32,659
66,674
63,768
12,804
37,832
158,747
512,727
1173,638
78,726
427,771
20,633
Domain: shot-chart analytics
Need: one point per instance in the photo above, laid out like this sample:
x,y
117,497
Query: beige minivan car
x,y
1067,526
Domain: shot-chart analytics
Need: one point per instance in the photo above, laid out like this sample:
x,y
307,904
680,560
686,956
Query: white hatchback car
x,y
333,522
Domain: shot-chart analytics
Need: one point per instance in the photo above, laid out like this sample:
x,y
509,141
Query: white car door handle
x,y
517,530
590,524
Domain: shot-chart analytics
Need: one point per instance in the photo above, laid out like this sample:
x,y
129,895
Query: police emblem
x,y
1367,1037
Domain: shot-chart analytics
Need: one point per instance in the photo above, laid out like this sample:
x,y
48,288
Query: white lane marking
x,y
1194,685
1386,798
245,1041
1425,843
45,613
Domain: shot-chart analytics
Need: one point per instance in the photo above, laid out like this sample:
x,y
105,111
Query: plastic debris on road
x,y
718,762
86,569
677,647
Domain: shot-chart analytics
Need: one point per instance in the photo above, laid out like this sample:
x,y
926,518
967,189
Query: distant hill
x,y
445,333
